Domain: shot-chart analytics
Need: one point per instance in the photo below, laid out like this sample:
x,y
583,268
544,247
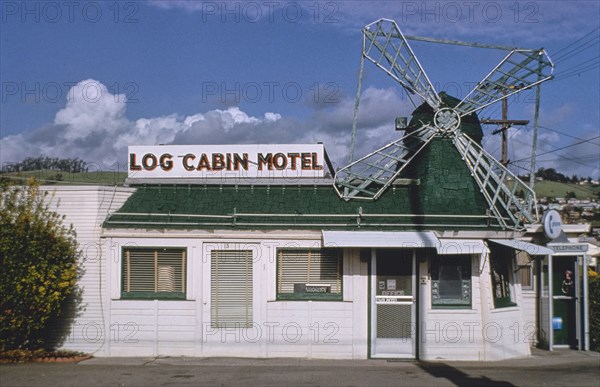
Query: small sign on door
x,y
391,284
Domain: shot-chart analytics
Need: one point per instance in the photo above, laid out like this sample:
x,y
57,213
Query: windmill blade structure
x,y
368,177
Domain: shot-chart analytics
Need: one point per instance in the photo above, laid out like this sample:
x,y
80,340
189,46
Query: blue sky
x,y
87,79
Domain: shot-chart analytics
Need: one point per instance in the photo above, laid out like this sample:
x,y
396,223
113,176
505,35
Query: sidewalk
x,y
560,368
539,358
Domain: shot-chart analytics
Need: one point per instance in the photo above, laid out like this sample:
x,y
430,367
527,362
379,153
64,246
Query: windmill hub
x,y
446,120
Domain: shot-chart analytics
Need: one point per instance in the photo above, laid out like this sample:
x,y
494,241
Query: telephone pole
x,y
504,123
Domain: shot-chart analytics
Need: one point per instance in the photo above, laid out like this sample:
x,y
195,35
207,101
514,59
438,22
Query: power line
x,y
583,37
561,148
578,50
566,135
574,67
573,160
559,155
579,72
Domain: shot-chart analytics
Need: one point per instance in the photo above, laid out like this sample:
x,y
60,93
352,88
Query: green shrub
x,y
594,302
38,267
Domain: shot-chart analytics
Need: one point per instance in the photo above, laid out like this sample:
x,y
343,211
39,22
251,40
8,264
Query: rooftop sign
x,y
288,161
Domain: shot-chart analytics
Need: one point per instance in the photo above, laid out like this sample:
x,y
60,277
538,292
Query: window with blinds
x,y
231,288
309,274
525,270
153,273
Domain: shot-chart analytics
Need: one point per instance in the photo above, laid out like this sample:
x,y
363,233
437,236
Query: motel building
x,y
249,251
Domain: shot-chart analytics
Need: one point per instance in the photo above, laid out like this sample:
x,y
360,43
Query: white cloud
x,y
91,108
93,126
97,130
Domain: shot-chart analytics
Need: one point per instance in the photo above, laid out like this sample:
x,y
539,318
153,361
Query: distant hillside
x,y
50,177
556,189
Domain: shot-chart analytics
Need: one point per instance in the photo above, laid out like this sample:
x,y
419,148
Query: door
x,y
393,327
564,301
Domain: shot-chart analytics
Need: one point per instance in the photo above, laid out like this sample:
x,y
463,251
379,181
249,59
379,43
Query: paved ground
x,y
560,368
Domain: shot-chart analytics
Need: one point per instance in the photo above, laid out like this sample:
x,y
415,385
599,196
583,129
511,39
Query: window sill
x,y
441,311
502,309
451,307
294,297
151,296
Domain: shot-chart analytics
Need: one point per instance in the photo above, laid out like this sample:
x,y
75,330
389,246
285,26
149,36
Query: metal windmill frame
x,y
368,178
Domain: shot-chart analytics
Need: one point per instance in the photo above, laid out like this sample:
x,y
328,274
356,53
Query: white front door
x,y
393,325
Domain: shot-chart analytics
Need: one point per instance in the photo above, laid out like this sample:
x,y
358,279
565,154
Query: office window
x,y
525,270
309,274
501,266
451,281
231,288
153,273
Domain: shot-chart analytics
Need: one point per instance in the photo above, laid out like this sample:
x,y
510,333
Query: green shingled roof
x,y
279,207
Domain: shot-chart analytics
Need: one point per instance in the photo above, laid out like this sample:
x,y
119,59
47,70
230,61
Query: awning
x,y
529,248
409,239
593,250
460,246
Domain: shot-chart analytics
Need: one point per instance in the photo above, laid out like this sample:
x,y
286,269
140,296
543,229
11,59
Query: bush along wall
x,y
38,267
594,302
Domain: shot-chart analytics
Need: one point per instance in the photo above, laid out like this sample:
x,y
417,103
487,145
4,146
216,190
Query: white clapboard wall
x,y
86,208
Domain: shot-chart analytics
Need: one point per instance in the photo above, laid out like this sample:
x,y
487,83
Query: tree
x,y
38,267
594,299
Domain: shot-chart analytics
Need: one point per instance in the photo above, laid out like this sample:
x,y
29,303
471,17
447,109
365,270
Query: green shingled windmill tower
x,y
441,147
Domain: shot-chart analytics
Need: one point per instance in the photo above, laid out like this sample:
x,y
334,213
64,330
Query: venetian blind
x,y
154,270
231,288
309,266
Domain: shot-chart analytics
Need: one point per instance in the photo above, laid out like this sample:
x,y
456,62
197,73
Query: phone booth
x,y
563,292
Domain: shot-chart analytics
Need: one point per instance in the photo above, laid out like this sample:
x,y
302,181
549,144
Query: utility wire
x,y
574,67
583,37
561,148
578,72
574,160
578,50
566,135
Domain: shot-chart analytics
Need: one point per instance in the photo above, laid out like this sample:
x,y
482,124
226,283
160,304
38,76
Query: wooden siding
x,y
86,207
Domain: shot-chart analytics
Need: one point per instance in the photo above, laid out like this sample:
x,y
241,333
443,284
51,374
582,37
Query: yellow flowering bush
x,y
38,267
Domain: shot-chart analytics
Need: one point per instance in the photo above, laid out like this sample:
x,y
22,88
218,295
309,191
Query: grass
x,y
49,177
559,190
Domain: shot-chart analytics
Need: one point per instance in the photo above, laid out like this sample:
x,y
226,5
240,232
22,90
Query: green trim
x,y
369,303
452,306
152,296
310,297
504,302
